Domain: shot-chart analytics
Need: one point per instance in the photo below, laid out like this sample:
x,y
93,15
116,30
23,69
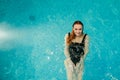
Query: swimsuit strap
x,y
84,38
69,34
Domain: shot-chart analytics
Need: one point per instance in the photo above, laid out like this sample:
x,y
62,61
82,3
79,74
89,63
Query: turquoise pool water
x,y
32,38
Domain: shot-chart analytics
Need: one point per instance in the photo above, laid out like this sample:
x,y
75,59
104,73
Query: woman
x,y
76,48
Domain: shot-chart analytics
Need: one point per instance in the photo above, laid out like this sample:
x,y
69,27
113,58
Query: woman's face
x,y
77,29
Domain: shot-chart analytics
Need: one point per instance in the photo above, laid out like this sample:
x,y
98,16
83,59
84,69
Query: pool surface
x,y
32,38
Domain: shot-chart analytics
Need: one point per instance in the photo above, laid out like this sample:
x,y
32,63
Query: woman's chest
x,y
77,40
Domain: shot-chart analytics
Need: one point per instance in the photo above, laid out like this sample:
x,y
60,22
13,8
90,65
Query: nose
x,y
78,31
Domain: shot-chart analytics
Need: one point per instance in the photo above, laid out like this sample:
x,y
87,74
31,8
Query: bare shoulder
x,y
87,37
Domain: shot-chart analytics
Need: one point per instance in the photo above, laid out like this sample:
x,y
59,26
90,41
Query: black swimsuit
x,y
76,50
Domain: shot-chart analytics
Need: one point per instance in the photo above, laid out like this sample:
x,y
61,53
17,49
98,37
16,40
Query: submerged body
x,y
74,71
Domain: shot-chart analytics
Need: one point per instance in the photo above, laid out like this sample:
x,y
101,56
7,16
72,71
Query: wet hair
x,y
77,22
71,35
